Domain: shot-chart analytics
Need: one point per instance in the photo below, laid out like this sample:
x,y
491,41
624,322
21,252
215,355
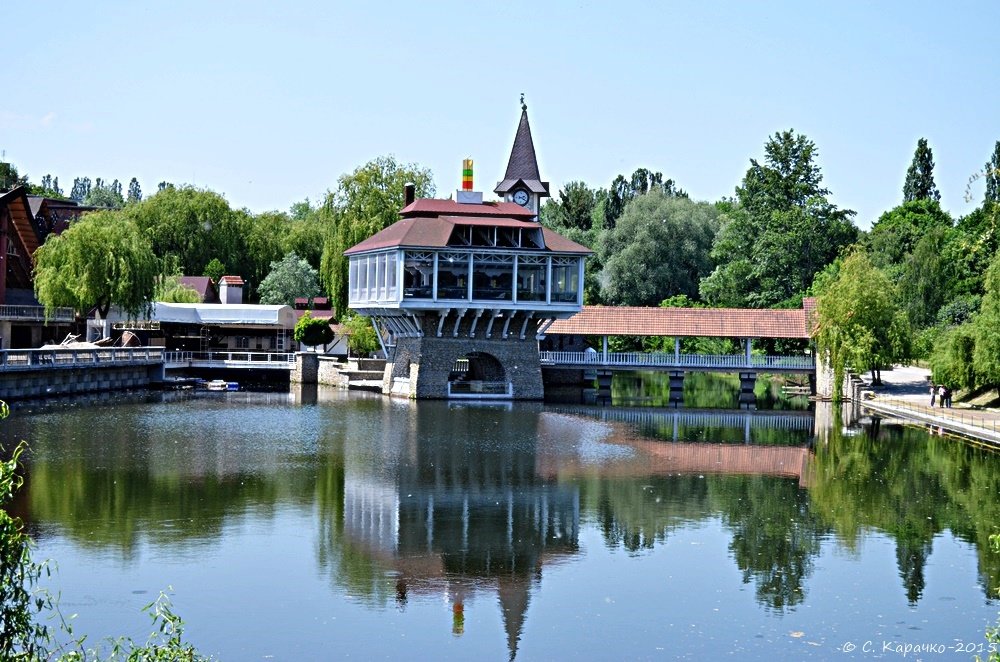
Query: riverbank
x,y
905,393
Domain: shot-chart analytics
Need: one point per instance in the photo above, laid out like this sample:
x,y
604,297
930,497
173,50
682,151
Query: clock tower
x,y
522,183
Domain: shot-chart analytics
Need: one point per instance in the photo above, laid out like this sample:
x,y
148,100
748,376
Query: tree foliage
x,y
101,260
919,184
134,192
361,338
986,325
289,278
192,225
781,232
312,331
10,178
859,321
895,234
622,191
103,194
660,247
364,202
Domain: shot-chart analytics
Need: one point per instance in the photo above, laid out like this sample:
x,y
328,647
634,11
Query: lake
x,y
325,524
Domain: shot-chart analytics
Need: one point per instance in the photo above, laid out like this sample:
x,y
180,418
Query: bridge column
x,y
677,349
748,344
604,387
748,400
676,397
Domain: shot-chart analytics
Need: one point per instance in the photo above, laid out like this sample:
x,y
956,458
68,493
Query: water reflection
x,y
419,501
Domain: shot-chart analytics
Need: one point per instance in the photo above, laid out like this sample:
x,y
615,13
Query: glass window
x,y
565,279
493,277
531,277
390,277
418,275
453,275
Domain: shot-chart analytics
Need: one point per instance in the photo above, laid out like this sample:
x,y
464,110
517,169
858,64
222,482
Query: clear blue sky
x,y
269,104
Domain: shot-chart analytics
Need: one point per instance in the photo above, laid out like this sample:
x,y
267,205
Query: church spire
x,y
522,168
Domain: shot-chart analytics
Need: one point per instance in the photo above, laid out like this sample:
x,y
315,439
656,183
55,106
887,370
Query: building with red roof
x,y
459,289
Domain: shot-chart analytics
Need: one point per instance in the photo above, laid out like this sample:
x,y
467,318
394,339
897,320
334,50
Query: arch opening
x,y
479,375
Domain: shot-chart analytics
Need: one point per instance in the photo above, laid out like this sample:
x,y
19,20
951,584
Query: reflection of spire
x,y
458,618
514,593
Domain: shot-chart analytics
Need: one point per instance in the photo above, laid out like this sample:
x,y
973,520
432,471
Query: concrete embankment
x,y
905,394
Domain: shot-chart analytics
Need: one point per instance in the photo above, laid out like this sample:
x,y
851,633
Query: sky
x,y
269,103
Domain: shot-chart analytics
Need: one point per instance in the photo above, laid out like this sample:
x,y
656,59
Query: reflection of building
x,y
460,289
460,516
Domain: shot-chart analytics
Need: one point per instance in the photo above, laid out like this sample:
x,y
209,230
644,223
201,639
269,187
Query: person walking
x,y
940,393
933,392
947,397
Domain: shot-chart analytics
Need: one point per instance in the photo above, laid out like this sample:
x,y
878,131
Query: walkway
x,y
905,392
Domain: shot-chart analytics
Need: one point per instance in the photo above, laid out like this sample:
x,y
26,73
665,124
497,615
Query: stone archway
x,y
478,374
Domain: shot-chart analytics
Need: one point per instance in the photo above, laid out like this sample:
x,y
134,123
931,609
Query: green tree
x,y
169,289
289,278
214,270
622,191
895,234
986,325
992,174
659,247
930,276
361,338
312,331
101,260
364,202
193,225
575,208
952,361
134,192
919,184
10,178
105,195
859,321
780,233
81,189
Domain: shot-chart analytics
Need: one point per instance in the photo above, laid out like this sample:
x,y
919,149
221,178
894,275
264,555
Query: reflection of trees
x,y
895,479
702,390
775,534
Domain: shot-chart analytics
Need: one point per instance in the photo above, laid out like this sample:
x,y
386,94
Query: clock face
x,y
521,197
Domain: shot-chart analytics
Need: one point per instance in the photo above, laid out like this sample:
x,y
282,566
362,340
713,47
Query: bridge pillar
x,y
748,400
676,397
604,387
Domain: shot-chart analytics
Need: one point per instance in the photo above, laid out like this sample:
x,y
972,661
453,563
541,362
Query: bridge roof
x,y
687,322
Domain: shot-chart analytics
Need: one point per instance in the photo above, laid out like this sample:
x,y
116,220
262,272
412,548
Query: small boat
x,y
222,385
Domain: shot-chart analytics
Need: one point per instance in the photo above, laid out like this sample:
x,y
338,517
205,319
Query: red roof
x,y
435,231
231,280
435,207
690,322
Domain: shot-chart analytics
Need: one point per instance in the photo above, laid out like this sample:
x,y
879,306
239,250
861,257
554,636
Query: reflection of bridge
x,y
239,360
744,420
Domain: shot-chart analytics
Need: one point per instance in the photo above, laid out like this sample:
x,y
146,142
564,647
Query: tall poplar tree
x,y
919,184
992,172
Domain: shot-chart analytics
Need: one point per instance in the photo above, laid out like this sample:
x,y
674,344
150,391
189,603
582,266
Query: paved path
x,y
905,392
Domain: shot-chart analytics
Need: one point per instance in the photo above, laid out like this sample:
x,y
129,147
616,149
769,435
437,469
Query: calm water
x,y
339,525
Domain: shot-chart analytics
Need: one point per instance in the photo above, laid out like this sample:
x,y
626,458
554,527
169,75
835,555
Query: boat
x,y
222,385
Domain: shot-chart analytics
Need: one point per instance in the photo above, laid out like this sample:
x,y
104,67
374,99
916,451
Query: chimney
x,y
231,289
409,194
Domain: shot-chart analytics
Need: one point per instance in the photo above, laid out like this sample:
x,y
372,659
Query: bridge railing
x,y
669,359
33,359
36,314
238,359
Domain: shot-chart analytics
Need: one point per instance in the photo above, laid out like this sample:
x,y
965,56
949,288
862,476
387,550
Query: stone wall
x,y
420,366
68,381
306,368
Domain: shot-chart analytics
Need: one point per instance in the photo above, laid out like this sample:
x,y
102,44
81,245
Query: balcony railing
x,y
36,314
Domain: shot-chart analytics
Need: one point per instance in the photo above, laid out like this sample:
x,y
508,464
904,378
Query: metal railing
x,y
957,418
237,359
33,359
671,360
36,314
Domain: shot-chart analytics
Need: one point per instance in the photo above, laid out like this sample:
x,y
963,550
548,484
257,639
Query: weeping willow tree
x,y
101,260
860,323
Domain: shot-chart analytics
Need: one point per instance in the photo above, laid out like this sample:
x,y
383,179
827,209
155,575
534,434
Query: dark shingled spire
x,y
523,166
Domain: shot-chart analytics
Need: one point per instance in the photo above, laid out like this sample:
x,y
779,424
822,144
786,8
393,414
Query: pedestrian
x,y
941,395
933,392
947,396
